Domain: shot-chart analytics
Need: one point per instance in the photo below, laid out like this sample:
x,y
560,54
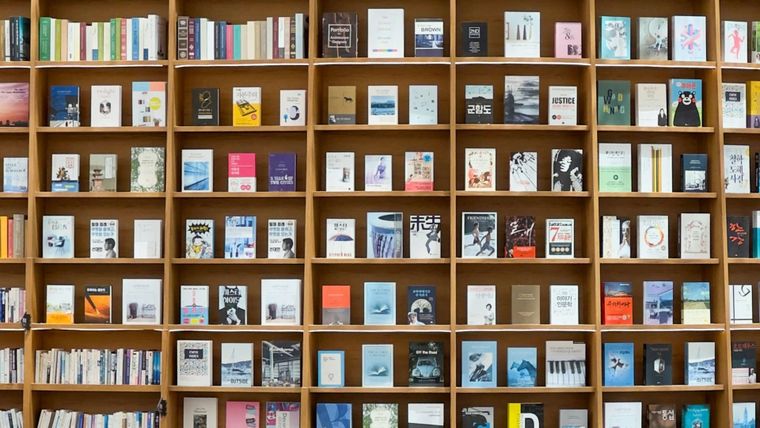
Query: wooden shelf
x,y
393,128
241,129
641,328
742,195
105,130
217,261
576,62
318,328
237,195
39,387
584,328
387,390
746,387
236,390
713,261
88,261
536,261
742,261
14,130
657,129
7,326
15,64
636,63
393,194
363,261
100,64
739,66
11,386
662,388
100,195
745,327
13,261
527,390
749,131
536,128
510,194
659,195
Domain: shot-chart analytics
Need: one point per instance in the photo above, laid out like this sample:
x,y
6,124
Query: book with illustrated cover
x,y
97,304
282,172
385,33
480,169
382,105
281,364
240,237
523,172
522,34
651,104
336,304
653,38
567,170
233,305
341,105
617,303
58,237
147,239
246,106
478,104
563,105
104,238
199,238
560,238
385,235
479,364
241,172
281,241
421,303
423,104
293,107
615,167
199,412
379,415
282,414
425,236
15,98
105,106
735,41
379,303
333,415
15,175
736,175
64,173
479,235
428,37
237,364
193,305
280,302
685,102
59,304
526,304
243,414
740,304
699,363
340,35
339,173
694,231
693,172
205,106
149,104
653,237
194,359
615,37
738,229
425,415
563,305
147,169
613,102
753,101
655,168
426,364
521,99
418,171
743,363
658,302
197,170
522,367
478,417
377,366
341,238
63,106
102,173
141,301
481,305
734,105
520,237
378,173
568,40
331,369
474,39
695,302
618,364
689,38
658,362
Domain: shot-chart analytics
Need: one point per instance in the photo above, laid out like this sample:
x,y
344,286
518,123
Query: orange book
x,y
617,305
97,304
336,304
4,237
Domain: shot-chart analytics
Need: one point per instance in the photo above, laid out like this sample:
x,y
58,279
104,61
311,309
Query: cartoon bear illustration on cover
x,y
686,113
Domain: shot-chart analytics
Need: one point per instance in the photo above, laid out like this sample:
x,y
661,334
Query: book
x,y
526,304
246,106
147,169
428,37
479,235
58,237
525,414
743,363
737,231
385,235
754,42
385,33
560,238
421,303
292,107
199,238
149,104
655,168
522,34
622,414
63,106
340,35
615,167
617,303
474,41
339,174
695,298
205,110
199,411
573,418
694,234
426,364
753,101
240,237
105,106
736,175
329,415
241,172
382,105
141,301
341,105
104,238
653,38
425,415
685,105
102,176
282,414
194,359
379,415
661,415
59,304
341,238
281,239
15,175
566,362
699,363
280,302
197,170
567,170
424,236
651,104
734,105
693,172
475,417
523,172
282,172
611,237
478,104
64,173
480,169
15,96
377,366
331,369
618,364
613,102
418,171
378,173
522,367
521,99
379,303
481,305
233,305
520,237
653,236
744,414
479,364
568,40
193,306
740,304
242,414
615,37
734,34
658,364
563,105
658,302
281,363
564,305
689,38
147,239
97,304
237,364
755,239
423,104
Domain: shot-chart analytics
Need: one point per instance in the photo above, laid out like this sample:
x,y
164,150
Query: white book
x,y
424,236
197,170
610,237
59,304
64,172
615,167
428,415
339,174
378,173
480,169
741,304
655,168
423,104
104,238
382,105
58,237
147,239
341,238
481,305
193,305
73,42
385,33
105,106
522,34
280,302
194,363
651,104
622,415
564,305
563,105
735,41
293,107
141,301
523,172
736,168
560,238
281,238
694,234
653,237
15,175
734,99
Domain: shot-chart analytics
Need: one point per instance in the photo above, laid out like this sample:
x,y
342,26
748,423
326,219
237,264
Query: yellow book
x,y
513,415
246,106
3,237
753,103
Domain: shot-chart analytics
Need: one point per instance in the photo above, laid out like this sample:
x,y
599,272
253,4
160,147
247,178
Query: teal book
x,y
615,37
379,303
614,102
696,415
522,367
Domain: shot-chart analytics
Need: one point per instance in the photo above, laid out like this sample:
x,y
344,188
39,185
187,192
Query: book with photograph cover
x,y
479,235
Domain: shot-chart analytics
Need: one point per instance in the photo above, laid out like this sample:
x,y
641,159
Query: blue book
x,y
522,367
63,106
685,102
377,365
755,234
615,37
135,39
379,303
744,415
197,41
479,364
282,172
618,364
693,172
696,415
240,237
385,235
331,369
333,415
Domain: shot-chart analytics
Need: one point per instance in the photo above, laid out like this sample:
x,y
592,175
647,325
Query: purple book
x,y
282,172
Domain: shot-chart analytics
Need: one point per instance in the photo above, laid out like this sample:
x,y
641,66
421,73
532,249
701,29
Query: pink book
x,y
243,414
241,172
230,42
567,40
418,172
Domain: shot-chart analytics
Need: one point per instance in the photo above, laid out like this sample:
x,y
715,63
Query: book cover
x,y
197,170
573,418
379,415
331,369
695,298
425,415
480,169
738,236
385,235
651,104
744,415
526,304
479,235
233,305
377,366
735,41
743,363
283,414
617,303
333,415
478,417
281,242
385,33
378,173
237,364
102,177
105,106
661,415
740,304
523,172
755,234
341,105
379,303
63,106
522,34
246,106
426,364
568,40
418,171
149,104
522,366
653,237
481,305
147,239
341,238
428,37
205,106
610,237
560,238
622,414
693,172
614,102
478,104
97,304
736,169
618,364
699,363
15,175
734,105
521,99
421,303
563,105
141,301
199,412
241,172
339,174
194,359
615,37
243,414
340,35
653,38
14,97
199,238
685,107
614,167
474,39
147,169
689,38
281,364
520,237
282,172
280,302
58,237
336,304
658,364
64,173
424,236
423,104
382,105
567,170
694,235
561,356
59,304
104,238
293,107
655,168
564,305
658,302
193,305
753,100
479,364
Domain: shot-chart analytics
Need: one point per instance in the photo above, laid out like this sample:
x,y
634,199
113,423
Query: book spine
x,y
275,37
236,42
57,39
112,39
197,38
135,39
292,46
82,41
10,237
217,40
191,39
123,38
14,39
25,32
229,42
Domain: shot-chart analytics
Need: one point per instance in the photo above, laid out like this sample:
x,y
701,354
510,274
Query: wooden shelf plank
x,y
40,387
742,327
536,261
657,129
8,326
88,261
586,328
11,386
15,64
387,390
236,390
713,261
363,261
512,128
637,63
742,195
318,328
383,61
100,195
392,194
543,61
662,388
746,387
241,129
510,194
237,195
13,261
217,261
103,130
527,390
742,261
749,131
94,327
739,66
659,195
393,128
14,130
13,195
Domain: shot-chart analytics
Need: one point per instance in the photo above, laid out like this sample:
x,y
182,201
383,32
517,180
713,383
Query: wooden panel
x,y
241,11
83,11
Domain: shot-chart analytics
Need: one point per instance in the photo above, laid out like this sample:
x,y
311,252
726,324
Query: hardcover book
x,y
105,106
379,415
481,305
521,99
744,415
63,106
147,239
740,304
423,104
339,175
479,235
738,228
240,237
694,235
426,364
283,414
149,104
618,364
653,38
736,169
15,98
425,415
378,173
281,242
651,104
336,304
64,173
382,105
615,37
421,305
385,235
237,364
653,237
563,105
379,303
617,303
199,238
104,238
695,298
474,39
560,238
147,169
567,170
685,105
15,175
563,305
428,37
418,170
520,237
141,301
479,364
341,238
329,415
59,304
205,106
341,105
233,305
734,105
194,358
522,366
661,416
614,167
193,305
689,38
614,102
330,369
526,304
58,237
658,302
243,414
280,302
197,170
97,304
735,41
241,172
743,363
280,364
480,169
693,172
655,168
523,172
377,366
282,172
425,236
478,104
699,363
292,107
340,35
568,40
522,34
385,33
103,173
246,106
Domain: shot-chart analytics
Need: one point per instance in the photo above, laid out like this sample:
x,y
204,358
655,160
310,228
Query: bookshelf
x,y
310,205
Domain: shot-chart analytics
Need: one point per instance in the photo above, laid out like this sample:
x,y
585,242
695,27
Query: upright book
x,y
103,169
522,34
615,37
424,236
205,106
280,302
385,235
474,42
522,367
423,104
655,168
59,304
377,366
568,40
658,364
382,105
618,364
478,104
340,35
614,102
428,37
653,38
426,364
341,238
149,104
141,301
63,106
479,235
685,104
233,305
385,33
421,304
520,237
292,107
97,304
735,41
104,238
15,174
734,105
689,38
479,364
199,238
481,305
64,173
658,302
651,104
281,238
615,167
282,172
58,237
147,169
523,172
336,304
105,106
193,307
194,359
341,105
567,170
695,303
15,96
246,106
197,170
736,175
281,364
379,303
480,169
241,172
521,99
237,364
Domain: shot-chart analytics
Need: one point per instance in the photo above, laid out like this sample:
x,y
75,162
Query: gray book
x,y
573,418
653,38
526,304
102,173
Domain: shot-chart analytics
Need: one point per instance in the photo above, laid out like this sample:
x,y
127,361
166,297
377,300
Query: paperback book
x,y
520,237
336,304
341,238
141,301
523,172
653,38
658,364
280,302
97,304
282,172
521,99
479,235
385,235
102,175
378,173
197,170
615,37
480,169
478,104
426,364
199,238
104,238
147,169
281,242
481,305
479,364
240,237
241,172
331,369
233,305
379,303
382,105
418,171
193,305
237,364
423,103
149,104
522,367
619,362
377,366
421,304
280,364
424,236
522,34
105,106
685,105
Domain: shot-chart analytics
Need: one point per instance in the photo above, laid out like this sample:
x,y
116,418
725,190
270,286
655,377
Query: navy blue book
x,y
618,364
421,300
63,106
282,172
693,172
333,415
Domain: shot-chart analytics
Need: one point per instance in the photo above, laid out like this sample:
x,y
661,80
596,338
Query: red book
x,y
230,41
275,38
82,41
123,39
617,304
336,304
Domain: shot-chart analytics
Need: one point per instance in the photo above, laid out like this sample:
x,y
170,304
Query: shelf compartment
x,y
95,388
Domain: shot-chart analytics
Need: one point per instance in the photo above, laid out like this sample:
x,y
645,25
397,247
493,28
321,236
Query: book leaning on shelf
x,y
98,367
16,33
11,365
12,304
56,418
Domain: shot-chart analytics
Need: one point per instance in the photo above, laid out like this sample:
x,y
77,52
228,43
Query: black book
x,y
530,413
658,359
478,103
206,106
421,305
340,35
474,39
743,362
426,364
737,228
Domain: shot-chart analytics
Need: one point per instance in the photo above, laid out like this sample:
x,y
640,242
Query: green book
x,y
112,39
57,39
614,102
614,167
101,46
45,38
